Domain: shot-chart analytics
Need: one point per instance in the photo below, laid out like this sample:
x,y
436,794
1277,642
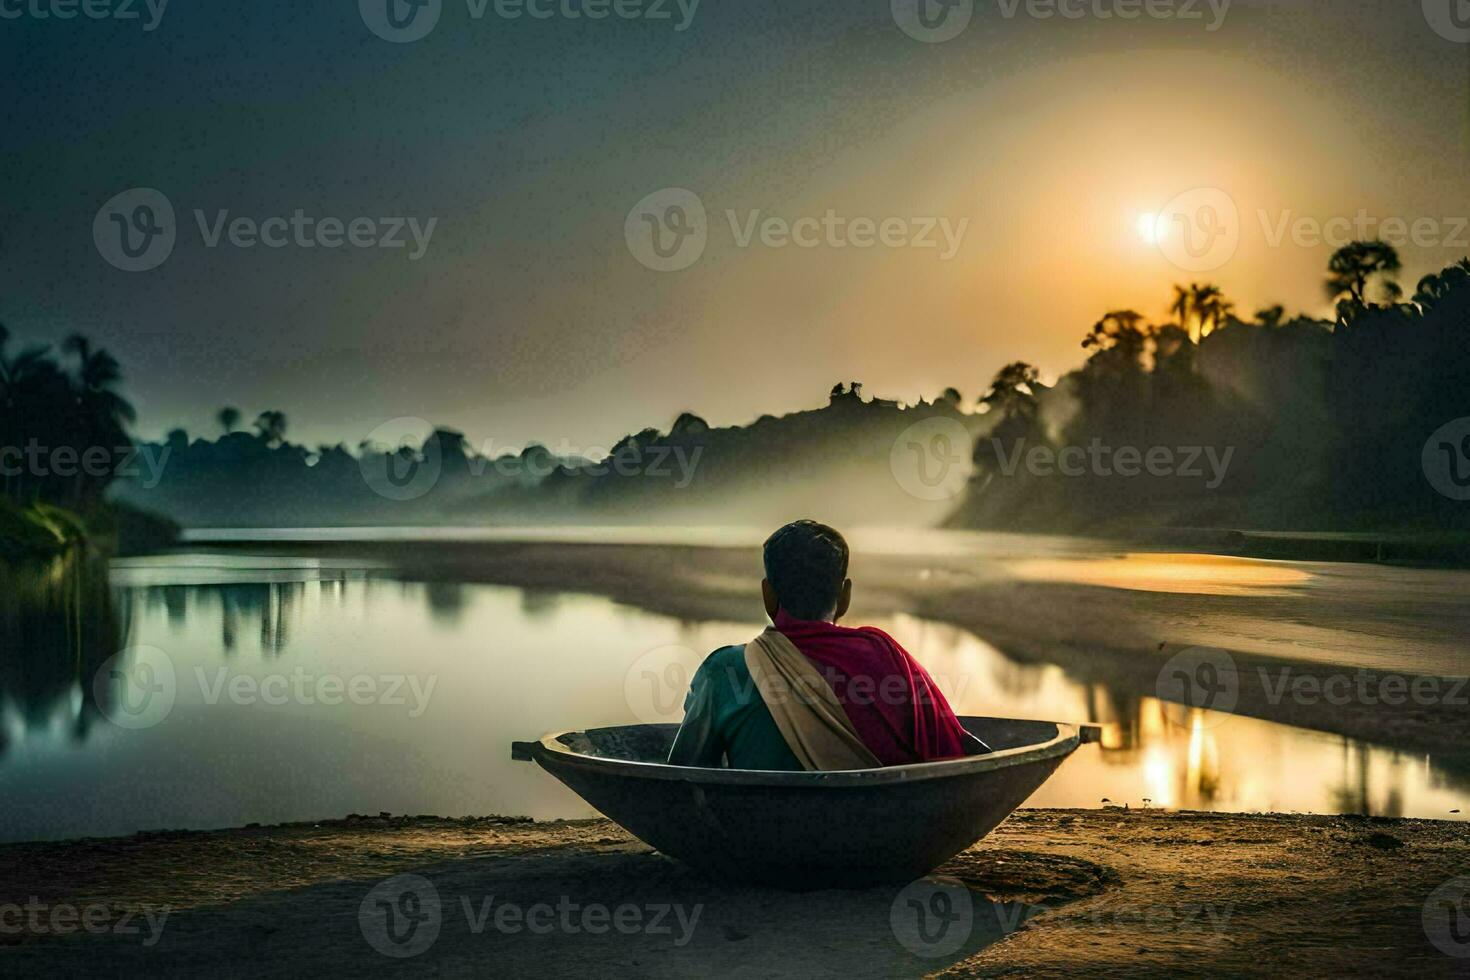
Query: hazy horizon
x,y
529,318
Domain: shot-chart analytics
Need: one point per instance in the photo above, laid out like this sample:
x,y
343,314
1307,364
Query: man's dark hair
x,y
806,563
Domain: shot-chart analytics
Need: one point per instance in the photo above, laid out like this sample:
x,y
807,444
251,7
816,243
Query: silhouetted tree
x,y
1201,309
1355,266
272,426
688,425
1271,317
1435,287
48,408
1013,391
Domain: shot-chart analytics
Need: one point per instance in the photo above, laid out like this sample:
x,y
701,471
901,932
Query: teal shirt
x,y
727,723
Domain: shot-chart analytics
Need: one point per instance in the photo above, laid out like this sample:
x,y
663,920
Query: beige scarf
x,y
805,707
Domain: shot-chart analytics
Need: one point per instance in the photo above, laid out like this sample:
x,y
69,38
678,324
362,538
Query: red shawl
x,y
897,709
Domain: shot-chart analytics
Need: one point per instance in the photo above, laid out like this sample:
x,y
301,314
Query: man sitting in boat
x,y
808,694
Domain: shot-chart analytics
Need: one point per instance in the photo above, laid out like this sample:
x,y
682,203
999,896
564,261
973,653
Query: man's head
x,y
806,572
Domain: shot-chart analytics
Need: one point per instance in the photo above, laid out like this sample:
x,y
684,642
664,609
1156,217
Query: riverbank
x,y
1431,549
1049,893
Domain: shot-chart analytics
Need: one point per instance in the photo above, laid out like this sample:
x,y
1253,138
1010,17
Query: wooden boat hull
x,y
807,829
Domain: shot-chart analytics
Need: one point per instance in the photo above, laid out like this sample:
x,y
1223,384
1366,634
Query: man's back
x,y
840,698
727,722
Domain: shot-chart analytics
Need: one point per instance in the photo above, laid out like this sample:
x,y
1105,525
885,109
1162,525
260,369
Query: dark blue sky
x,y
527,142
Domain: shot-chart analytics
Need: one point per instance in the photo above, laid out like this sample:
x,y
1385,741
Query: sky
x,y
841,193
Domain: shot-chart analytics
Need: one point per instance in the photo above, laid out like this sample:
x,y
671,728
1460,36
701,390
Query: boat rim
x,y
550,748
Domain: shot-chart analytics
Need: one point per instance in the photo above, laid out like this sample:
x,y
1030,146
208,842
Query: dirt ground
x,y
1049,893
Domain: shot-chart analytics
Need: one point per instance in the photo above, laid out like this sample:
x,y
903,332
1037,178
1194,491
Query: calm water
x,y
264,690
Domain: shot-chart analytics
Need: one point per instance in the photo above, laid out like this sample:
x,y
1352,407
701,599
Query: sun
x,y
1148,228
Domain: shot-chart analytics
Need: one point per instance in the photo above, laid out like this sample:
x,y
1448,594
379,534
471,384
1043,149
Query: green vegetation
x,y
37,531
63,437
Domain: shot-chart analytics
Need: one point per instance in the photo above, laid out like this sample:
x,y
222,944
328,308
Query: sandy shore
x,y
1049,893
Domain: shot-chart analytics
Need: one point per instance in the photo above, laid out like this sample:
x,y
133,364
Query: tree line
x,y
1325,420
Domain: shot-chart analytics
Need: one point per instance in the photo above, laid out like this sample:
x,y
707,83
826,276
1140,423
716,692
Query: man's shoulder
x,y
724,657
725,667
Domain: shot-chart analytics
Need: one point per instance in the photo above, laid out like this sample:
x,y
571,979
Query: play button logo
x,y
401,21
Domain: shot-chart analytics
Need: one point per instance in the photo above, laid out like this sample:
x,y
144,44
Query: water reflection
x,y
266,609
58,625
1155,753
505,664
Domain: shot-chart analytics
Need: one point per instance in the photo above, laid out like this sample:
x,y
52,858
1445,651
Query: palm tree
x,y
102,415
14,371
272,426
1183,306
1210,307
1200,309
1356,265
228,417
